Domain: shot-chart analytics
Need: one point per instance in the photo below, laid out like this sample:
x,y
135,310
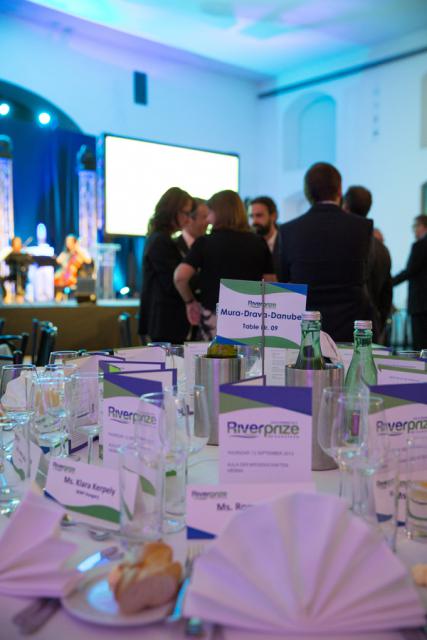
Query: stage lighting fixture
x,y
124,291
44,118
4,109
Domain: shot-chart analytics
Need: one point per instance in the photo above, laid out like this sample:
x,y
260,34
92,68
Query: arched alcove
x,y
309,131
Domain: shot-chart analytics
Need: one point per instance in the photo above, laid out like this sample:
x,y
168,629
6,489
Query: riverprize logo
x,y
129,417
397,427
268,430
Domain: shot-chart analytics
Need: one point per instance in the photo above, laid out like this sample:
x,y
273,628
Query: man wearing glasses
x,y
416,274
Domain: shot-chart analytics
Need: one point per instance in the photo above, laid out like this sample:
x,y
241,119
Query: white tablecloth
x,y
203,468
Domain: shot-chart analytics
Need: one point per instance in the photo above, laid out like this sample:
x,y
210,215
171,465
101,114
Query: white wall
x,y
92,81
378,133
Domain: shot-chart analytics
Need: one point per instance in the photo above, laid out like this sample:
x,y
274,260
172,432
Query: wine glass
x,y
339,428
252,358
16,399
87,396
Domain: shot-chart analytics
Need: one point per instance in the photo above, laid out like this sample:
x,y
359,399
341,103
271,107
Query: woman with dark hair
x,y
231,251
162,316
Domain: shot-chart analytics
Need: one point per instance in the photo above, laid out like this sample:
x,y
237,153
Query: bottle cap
x,y
311,315
363,324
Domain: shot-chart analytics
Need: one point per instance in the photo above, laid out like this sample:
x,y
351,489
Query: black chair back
x,y
125,330
17,357
15,341
2,323
46,343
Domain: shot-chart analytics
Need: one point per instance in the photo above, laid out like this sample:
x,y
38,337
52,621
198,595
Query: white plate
x,y
94,602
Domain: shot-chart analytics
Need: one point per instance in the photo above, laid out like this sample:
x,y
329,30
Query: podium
x,y
104,256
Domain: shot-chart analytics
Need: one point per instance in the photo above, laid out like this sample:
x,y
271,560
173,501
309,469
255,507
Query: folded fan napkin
x,y
15,393
32,554
302,564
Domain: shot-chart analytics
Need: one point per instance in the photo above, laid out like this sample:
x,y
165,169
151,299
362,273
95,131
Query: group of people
x,y
68,264
333,248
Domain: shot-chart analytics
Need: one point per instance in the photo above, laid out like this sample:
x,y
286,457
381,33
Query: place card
x,y
191,350
405,408
400,363
91,492
90,364
400,375
129,366
264,434
210,507
122,394
146,354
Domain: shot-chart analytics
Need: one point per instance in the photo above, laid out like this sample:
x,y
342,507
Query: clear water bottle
x,y
310,354
362,369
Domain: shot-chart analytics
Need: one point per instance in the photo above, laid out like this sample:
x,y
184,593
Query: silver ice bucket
x,y
332,376
211,373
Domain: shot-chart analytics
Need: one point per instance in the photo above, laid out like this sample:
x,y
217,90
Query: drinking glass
x,y
61,357
53,408
87,396
175,360
59,370
16,400
416,489
252,358
173,433
141,473
198,418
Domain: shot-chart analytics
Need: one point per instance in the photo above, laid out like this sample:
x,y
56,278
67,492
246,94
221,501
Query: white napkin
x,y
15,394
329,348
302,564
32,554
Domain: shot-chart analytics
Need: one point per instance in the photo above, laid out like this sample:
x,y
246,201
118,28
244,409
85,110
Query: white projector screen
x,y
137,173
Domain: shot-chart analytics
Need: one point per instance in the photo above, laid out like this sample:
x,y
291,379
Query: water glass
x,y
416,489
53,409
198,418
87,396
141,472
61,357
173,433
16,391
252,355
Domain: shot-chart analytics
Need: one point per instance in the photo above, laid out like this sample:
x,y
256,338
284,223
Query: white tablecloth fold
x,y
32,555
302,564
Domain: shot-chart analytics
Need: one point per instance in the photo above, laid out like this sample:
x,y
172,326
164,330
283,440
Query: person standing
x,y
416,274
358,200
263,216
162,316
327,249
230,251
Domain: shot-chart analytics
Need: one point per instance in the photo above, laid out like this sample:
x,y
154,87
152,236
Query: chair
x,y
34,339
125,330
2,323
46,343
15,341
17,357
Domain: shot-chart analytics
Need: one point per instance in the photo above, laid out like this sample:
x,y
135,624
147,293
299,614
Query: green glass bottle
x,y
218,350
362,367
310,354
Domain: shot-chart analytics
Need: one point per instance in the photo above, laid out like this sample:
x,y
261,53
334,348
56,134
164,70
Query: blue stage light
x,y
4,109
44,118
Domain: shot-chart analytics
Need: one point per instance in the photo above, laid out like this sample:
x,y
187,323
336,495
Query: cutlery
x,y
35,615
194,550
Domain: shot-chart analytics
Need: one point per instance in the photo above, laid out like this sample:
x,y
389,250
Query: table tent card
x,y
405,408
400,375
264,434
130,366
89,491
146,354
210,507
400,363
122,394
241,319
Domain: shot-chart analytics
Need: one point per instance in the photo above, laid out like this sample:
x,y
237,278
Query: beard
x,y
261,230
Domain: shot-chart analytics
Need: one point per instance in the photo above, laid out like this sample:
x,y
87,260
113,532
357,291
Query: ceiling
x,y
267,37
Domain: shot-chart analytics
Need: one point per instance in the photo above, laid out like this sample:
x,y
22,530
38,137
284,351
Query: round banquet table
x,y
203,469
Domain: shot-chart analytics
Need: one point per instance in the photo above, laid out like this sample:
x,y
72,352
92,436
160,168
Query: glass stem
x,y
89,448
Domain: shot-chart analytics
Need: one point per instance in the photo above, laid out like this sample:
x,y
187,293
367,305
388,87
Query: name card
x,y
405,408
120,407
146,354
89,491
400,375
264,434
210,507
129,366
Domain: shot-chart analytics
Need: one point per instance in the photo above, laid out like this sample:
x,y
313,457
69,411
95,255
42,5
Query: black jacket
x,y
162,313
416,273
379,281
328,249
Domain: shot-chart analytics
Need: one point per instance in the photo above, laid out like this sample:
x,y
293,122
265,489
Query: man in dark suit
x,y
263,216
416,274
358,200
328,249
